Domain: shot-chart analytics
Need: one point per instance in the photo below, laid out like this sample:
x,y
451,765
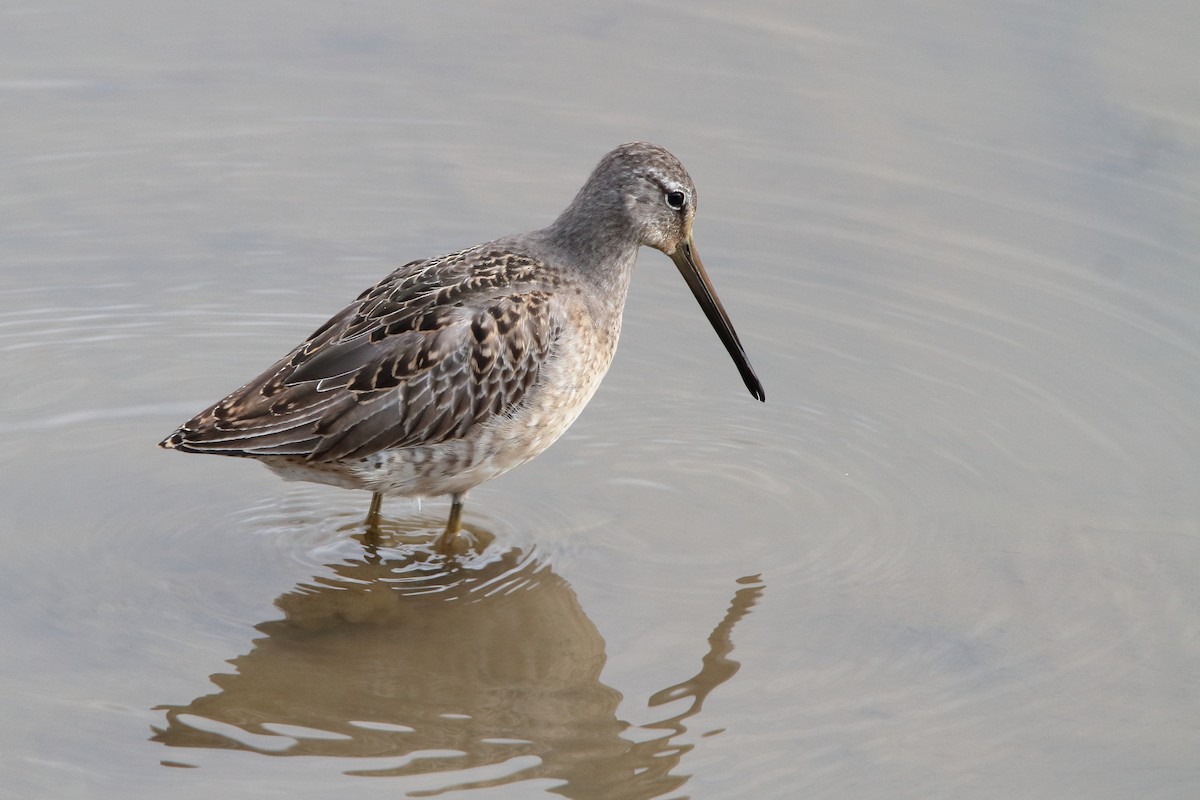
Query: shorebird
x,y
453,370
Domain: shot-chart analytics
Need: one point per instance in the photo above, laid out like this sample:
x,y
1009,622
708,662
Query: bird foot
x,y
461,543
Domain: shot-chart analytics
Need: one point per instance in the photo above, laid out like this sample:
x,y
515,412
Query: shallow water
x,y
955,554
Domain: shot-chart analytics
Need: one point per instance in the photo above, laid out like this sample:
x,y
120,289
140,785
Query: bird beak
x,y
688,261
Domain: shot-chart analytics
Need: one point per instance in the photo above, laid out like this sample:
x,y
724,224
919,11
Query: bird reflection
x,y
475,672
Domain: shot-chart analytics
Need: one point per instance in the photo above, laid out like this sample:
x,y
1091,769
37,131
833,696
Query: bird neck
x,y
594,237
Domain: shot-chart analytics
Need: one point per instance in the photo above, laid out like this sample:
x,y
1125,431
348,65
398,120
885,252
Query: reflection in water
x,y
486,668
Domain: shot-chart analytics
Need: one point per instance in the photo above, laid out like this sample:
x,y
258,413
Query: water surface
x,y
955,554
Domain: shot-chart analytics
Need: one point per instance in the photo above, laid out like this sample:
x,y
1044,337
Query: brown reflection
x,y
489,666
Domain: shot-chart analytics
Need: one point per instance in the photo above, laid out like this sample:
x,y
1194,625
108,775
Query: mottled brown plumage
x,y
451,371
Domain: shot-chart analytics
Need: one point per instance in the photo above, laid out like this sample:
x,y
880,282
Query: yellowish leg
x,y
373,512
448,543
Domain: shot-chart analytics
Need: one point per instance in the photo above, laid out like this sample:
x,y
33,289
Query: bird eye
x,y
675,200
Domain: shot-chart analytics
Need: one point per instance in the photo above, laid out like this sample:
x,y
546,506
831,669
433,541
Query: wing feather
x,y
431,351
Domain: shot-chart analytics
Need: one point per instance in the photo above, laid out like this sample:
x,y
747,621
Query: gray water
x,y
954,555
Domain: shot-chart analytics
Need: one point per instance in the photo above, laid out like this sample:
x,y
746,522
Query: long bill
x,y
688,261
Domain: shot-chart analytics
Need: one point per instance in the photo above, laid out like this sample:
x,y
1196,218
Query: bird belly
x,y
567,382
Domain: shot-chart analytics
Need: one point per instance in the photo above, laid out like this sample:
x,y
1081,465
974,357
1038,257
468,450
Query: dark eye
x,y
675,200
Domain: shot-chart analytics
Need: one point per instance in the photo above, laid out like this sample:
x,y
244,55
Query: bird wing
x,y
423,356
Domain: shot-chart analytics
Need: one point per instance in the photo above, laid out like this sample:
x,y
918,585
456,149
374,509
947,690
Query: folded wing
x,y
430,352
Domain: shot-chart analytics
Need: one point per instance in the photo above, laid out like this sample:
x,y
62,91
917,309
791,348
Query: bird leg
x,y
448,542
373,513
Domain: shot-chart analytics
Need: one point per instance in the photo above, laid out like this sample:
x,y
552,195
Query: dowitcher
x,y
453,370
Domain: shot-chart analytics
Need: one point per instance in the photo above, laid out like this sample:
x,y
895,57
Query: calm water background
x,y
956,554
